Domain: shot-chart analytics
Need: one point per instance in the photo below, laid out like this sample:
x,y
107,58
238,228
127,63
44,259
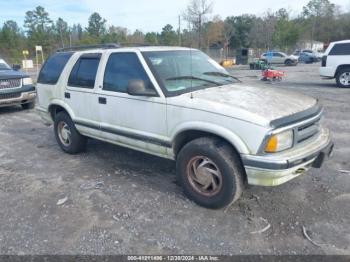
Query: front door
x,y
135,121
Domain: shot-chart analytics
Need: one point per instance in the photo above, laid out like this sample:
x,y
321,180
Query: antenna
x,y
191,69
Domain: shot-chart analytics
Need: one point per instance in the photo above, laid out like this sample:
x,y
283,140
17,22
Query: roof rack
x,y
87,47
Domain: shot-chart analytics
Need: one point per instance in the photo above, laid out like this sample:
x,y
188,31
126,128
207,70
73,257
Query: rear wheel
x,y
343,77
67,136
210,172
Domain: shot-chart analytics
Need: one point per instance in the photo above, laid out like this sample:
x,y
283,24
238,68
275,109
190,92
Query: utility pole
x,y
179,30
199,31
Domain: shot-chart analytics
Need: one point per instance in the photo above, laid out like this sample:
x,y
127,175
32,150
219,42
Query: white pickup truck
x,y
178,103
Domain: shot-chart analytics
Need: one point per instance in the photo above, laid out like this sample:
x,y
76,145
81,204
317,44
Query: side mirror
x,y
16,67
138,88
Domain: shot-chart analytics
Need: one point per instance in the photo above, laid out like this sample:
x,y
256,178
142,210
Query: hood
x,y
258,105
10,74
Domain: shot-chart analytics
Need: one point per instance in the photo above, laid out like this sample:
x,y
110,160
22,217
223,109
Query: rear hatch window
x,y
53,67
340,49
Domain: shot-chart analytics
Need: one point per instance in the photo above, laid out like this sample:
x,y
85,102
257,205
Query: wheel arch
x,y
340,67
185,135
57,106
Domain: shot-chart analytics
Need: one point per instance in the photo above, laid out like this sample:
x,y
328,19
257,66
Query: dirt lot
x,y
121,201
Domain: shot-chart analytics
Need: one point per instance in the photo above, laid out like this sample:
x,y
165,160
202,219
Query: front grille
x,y
10,95
10,83
307,131
324,61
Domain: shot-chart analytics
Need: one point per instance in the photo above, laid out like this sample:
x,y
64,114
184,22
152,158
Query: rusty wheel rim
x,y
64,133
204,176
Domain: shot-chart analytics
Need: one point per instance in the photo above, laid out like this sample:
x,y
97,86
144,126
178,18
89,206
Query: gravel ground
x,y
120,201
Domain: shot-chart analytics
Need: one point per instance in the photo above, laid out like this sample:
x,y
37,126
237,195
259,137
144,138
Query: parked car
x,y
178,103
16,88
278,58
336,63
317,54
307,58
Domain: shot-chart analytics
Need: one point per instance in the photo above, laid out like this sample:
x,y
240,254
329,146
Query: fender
x,y
64,105
220,131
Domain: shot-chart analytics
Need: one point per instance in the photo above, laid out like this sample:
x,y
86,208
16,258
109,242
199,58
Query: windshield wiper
x,y
193,78
216,73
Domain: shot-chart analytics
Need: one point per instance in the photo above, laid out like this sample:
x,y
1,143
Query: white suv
x,y
179,104
336,63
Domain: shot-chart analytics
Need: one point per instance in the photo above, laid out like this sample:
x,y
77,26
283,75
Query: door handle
x,y
102,100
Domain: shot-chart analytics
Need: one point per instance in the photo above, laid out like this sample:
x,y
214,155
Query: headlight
x,y
27,81
279,142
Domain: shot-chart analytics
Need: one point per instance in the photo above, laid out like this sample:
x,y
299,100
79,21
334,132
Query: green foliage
x,y
241,26
11,41
168,36
39,28
320,20
97,25
286,32
151,38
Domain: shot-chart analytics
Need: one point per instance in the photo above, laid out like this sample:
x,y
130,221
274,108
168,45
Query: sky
x,y
145,15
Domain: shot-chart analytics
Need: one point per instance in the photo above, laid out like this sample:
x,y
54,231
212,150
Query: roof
x,y
87,49
341,42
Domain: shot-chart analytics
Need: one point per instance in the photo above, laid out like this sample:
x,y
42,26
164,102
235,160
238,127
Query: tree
x,y
151,38
136,38
62,30
242,26
320,15
214,31
39,28
76,33
97,25
168,35
286,32
11,40
195,15
116,34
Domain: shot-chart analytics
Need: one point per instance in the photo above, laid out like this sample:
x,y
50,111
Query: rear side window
x,y
84,71
53,67
120,69
340,49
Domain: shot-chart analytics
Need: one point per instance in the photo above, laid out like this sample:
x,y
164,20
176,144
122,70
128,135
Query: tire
x,y
29,105
288,62
67,136
202,155
341,78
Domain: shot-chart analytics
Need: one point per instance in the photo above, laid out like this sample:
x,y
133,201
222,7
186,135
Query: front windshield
x,y
184,71
3,65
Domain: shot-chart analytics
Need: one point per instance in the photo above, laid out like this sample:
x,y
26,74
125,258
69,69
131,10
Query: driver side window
x,y
122,68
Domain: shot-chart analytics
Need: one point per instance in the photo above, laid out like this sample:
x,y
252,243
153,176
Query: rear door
x,y
80,93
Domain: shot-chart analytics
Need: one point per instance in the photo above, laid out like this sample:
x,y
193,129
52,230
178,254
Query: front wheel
x,y
210,172
343,78
67,136
288,62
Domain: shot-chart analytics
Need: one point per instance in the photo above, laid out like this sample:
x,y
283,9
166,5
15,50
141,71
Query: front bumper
x,y
276,169
19,97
